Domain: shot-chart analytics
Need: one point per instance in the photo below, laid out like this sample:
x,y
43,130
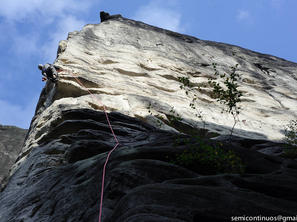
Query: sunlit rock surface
x,y
129,66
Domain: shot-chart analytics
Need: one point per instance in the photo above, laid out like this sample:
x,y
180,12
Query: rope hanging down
x,y
117,142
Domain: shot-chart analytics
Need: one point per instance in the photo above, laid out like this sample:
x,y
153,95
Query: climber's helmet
x,y
40,66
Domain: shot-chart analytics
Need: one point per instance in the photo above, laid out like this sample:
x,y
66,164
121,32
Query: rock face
x,y
11,141
131,65
133,69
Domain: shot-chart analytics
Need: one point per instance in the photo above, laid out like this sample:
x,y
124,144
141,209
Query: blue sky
x,y
31,30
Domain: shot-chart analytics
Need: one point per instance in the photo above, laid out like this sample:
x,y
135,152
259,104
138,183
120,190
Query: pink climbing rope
x,y
117,142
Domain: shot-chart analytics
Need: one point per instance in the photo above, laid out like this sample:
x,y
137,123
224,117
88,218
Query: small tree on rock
x,y
291,139
229,95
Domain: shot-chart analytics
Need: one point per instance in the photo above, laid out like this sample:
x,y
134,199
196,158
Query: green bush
x,y
207,159
290,149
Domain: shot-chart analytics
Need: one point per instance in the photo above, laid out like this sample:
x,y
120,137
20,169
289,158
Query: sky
x,y
31,30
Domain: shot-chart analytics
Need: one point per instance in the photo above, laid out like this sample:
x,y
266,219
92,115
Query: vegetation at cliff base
x,y
290,150
205,158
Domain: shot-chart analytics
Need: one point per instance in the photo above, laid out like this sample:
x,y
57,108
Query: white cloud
x,y
17,10
160,15
243,15
26,44
17,115
14,9
58,18
34,27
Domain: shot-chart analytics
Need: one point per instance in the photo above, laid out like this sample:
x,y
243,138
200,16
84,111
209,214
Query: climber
x,y
48,72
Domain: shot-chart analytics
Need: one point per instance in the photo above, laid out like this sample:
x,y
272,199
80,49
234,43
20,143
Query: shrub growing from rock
x,y
228,94
208,159
290,149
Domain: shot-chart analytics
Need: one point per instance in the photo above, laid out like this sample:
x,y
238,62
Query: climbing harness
x,y
117,142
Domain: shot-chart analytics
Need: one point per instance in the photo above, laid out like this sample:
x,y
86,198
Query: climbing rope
x,y
117,142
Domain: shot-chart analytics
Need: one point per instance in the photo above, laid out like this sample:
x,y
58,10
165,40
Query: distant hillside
x,y
11,141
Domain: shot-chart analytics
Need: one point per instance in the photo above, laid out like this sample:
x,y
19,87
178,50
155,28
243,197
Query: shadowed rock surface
x,y
128,65
65,171
11,141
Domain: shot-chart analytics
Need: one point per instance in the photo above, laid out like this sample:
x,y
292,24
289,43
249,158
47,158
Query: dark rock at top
x,y
106,16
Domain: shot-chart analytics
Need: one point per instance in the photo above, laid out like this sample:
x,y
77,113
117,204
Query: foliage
x,y
198,114
160,123
187,86
149,109
185,81
211,159
229,95
175,117
290,149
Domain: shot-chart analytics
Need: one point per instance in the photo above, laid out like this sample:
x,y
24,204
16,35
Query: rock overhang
x,y
124,58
